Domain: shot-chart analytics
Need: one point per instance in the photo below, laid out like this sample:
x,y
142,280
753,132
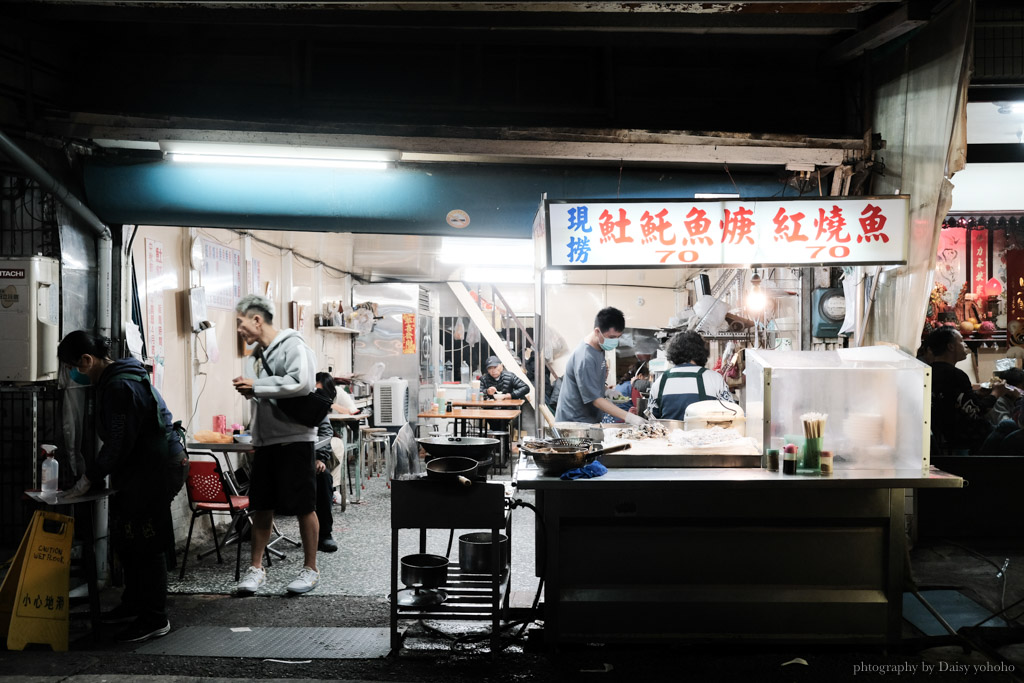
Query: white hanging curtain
x,y
920,106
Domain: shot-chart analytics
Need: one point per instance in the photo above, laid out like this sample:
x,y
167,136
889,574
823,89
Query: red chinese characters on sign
x,y
737,226
787,226
789,230
831,225
655,228
872,224
614,230
697,225
408,333
979,261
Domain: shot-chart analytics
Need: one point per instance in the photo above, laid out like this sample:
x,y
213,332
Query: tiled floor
x,y
362,564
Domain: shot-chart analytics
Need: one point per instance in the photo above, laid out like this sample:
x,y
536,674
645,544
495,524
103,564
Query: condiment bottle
x,y
789,459
773,460
50,468
826,462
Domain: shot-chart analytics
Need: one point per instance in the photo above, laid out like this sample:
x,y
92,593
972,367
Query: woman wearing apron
x,y
689,381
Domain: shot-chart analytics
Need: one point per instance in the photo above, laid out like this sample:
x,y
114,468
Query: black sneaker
x,y
327,545
141,631
119,615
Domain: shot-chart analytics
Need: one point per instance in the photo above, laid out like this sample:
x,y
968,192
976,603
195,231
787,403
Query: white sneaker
x,y
253,578
305,582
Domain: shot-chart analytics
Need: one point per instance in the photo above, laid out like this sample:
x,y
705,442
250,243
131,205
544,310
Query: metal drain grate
x,y
272,643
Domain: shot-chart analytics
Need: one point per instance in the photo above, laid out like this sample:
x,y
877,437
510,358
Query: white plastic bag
x,y
459,331
472,334
554,344
406,449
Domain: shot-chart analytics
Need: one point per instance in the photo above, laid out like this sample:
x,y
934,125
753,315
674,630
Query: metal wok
x,y
459,469
557,460
476,447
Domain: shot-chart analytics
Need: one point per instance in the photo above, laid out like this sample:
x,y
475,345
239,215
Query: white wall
x,y
571,310
989,187
210,393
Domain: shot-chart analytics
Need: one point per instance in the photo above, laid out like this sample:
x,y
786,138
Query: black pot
x,y
475,552
476,447
424,571
454,468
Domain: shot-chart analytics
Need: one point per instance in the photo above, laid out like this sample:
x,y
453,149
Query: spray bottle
x,y
50,468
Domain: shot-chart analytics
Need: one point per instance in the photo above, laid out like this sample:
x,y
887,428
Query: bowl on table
x,y
243,438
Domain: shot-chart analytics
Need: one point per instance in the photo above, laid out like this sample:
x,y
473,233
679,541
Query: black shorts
x,y
284,478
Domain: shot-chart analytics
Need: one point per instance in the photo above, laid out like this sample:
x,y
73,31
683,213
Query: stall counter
x,y
662,554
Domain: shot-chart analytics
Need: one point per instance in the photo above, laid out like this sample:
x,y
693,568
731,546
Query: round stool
x,y
376,450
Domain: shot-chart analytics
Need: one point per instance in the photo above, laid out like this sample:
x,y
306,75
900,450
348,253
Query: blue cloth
x,y
594,469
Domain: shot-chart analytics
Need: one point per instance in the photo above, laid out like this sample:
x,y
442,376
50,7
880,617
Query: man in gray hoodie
x,y
284,466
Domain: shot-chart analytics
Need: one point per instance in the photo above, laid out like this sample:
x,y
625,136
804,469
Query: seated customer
x,y
326,461
499,383
1006,405
689,381
958,412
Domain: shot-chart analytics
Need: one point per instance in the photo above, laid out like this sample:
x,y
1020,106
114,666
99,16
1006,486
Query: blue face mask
x,y
79,377
610,344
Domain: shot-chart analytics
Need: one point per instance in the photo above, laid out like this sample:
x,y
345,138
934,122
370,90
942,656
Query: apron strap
x,y
680,373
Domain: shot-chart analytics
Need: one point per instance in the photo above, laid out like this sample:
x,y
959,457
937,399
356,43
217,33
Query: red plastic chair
x,y
208,494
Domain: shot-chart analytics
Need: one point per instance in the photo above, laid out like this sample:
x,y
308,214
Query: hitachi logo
x,y
19,273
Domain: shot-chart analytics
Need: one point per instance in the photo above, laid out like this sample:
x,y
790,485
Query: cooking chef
x,y
582,396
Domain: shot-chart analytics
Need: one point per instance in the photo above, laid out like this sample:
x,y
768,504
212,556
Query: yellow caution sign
x,y
34,594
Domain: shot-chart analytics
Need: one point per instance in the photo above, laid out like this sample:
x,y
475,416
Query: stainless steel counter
x,y
738,477
649,555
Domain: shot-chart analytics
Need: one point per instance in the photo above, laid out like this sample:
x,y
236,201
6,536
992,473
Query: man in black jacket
x,y
498,383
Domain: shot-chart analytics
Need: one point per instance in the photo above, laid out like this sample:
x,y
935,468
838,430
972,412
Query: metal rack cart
x,y
428,504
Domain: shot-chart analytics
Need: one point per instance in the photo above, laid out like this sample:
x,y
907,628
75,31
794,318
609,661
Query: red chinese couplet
x,y
408,333
979,261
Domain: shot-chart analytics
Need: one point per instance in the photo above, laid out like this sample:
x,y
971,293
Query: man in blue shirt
x,y
582,396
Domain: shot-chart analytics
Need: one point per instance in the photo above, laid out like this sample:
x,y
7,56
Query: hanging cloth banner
x,y
979,261
670,233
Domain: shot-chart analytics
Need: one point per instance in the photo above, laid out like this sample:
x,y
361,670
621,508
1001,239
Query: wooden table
x,y
493,406
462,417
490,404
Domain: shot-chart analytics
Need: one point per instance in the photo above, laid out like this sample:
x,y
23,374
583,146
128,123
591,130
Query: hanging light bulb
x,y
755,297
994,287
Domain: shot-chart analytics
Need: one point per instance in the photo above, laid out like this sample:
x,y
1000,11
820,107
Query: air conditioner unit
x,y
390,402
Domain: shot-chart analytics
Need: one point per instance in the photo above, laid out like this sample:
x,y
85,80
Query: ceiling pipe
x,y
104,246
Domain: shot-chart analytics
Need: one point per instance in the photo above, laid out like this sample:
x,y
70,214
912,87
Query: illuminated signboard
x,y
733,232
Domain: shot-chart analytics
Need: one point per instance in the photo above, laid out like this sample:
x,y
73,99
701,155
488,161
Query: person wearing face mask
x,y
582,396
144,455
958,411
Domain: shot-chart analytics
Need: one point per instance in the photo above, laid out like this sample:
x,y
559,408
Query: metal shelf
x,y
338,330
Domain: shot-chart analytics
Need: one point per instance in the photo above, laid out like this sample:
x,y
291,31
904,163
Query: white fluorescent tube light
x,y
498,274
472,251
277,161
216,152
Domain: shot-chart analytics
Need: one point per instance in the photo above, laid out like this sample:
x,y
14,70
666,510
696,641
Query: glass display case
x,y
878,401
